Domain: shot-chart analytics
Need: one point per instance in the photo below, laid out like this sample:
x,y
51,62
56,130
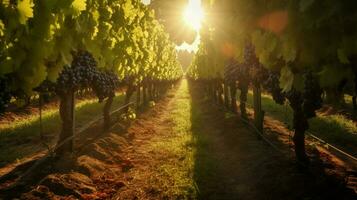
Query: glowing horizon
x,y
190,47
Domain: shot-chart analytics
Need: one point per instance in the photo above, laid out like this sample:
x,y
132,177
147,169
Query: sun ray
x,y
193,14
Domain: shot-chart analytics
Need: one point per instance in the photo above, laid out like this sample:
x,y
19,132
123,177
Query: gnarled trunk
x,y
67,117
258,112
300,126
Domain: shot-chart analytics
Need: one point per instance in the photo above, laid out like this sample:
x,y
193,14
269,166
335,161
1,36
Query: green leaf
x,y
129,50
288,50
25,8
286,79
2,28
79,5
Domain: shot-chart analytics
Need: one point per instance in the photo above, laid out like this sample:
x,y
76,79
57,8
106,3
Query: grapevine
x,y
272,86
312,95
104,84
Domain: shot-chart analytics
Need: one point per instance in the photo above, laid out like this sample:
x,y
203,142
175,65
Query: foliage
x,y
289,36
38,38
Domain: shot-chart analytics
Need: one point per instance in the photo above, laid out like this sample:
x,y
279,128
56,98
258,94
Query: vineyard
x,y
96,100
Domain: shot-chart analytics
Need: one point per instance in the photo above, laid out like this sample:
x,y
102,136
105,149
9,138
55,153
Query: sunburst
x,y
193,14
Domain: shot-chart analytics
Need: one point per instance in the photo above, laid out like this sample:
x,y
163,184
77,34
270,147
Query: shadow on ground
x,y
232,163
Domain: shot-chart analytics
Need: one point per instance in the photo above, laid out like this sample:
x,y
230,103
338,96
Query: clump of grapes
x,y
104,84
272,86
82,74
46,87
79,75
256,70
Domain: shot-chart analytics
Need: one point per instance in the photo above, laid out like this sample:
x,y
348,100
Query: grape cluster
x,y
85,67
5,93
67,80
79,75
312,95
296,100
272,86
46,87
256,70
83,74
104,84
250,57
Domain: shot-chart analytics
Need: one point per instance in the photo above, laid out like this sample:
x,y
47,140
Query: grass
x,y
335,129
176,175
206,172
21,132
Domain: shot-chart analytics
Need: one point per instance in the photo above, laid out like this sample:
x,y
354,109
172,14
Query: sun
x,y
193,14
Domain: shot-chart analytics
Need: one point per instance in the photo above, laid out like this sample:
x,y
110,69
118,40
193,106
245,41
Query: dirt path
x,y
190,149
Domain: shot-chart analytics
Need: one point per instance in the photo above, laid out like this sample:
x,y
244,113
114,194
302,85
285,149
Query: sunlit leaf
x,y
286,79
2,27
25,8
79,5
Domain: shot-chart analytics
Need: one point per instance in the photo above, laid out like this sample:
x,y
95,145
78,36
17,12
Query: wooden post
x,y
106,112
258,113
